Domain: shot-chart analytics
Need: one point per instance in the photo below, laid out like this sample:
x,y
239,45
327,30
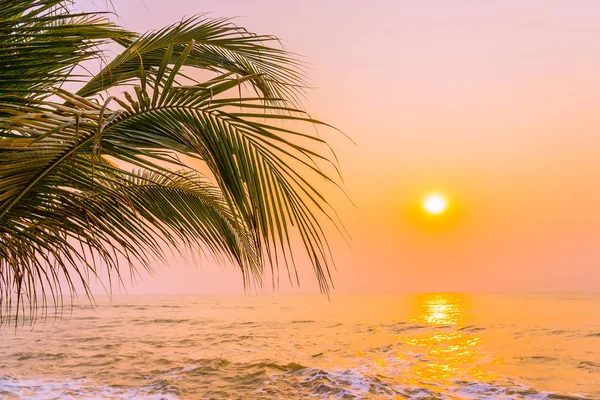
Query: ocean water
x,y
426,346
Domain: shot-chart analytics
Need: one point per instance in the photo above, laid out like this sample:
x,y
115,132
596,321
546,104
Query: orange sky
x,y
493,103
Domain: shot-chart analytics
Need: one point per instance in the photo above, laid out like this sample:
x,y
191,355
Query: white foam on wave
x,y
491,391
66,389
356,381
343,383
359,382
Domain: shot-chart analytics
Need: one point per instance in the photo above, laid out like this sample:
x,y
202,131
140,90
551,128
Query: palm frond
x,y
70,205
41,44
218,46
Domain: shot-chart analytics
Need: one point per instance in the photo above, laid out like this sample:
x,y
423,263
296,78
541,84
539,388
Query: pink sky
x,y
494,103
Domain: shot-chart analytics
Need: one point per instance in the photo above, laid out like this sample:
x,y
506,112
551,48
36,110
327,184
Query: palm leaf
x,y
218,46
41,45
70,205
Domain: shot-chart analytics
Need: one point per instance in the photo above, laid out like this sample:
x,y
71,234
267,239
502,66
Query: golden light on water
x,y
440,309
447,350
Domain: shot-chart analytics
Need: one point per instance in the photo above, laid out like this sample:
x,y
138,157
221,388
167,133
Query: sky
x,y
494,104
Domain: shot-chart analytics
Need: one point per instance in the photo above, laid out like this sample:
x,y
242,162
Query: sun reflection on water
x,y
445,350
439,309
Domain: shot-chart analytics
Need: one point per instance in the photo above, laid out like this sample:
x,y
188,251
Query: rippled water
x,y
430,346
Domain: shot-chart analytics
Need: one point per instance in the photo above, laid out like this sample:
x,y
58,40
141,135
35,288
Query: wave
x,y
593,334
224,379
589,366
220,378
22,356
471,328
11,388
539,359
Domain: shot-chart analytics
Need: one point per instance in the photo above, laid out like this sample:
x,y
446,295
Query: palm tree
x,y
144,156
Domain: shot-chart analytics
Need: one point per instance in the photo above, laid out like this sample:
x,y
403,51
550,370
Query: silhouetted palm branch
x,y
90,181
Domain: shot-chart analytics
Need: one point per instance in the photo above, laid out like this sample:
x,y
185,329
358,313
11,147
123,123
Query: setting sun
x,y
435,204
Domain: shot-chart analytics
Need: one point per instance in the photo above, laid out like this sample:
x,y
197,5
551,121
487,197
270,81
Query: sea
x,y
393,346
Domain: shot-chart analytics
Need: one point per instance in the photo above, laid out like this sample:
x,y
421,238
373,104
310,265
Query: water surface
x,y
428,346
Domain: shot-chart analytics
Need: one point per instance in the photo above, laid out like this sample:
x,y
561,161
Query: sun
x,y
434,204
